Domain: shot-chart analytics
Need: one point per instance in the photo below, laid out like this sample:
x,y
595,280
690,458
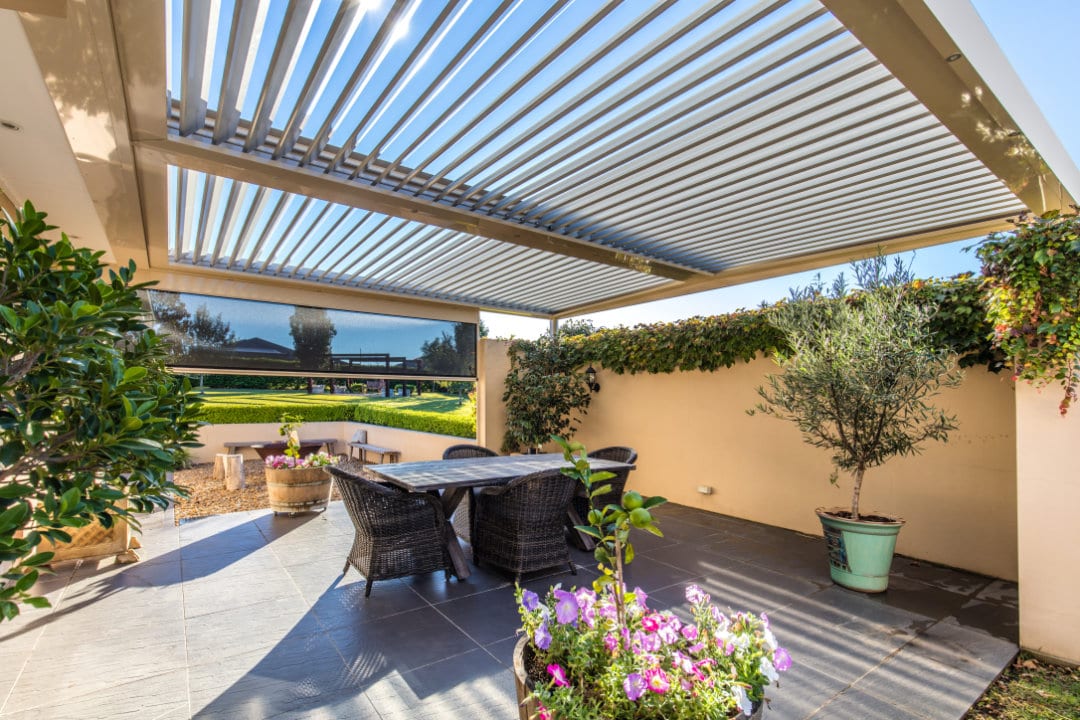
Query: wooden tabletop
x,y
474,472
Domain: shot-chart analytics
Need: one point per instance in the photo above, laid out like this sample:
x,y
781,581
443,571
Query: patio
x,y
246,616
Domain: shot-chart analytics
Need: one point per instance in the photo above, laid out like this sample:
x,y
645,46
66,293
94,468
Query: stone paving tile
x,y
253,613
471,685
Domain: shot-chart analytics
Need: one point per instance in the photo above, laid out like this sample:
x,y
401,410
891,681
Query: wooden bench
x,y
276,447
363,448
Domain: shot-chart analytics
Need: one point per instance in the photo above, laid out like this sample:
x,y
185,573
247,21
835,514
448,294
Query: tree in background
x,y
89,414
312,334
209,331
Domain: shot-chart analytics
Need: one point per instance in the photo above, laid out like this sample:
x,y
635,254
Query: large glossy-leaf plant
x,y
91,421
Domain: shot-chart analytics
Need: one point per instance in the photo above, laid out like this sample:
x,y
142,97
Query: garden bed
x,y
208,496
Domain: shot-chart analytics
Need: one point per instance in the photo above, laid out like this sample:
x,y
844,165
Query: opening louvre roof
x,y
562,154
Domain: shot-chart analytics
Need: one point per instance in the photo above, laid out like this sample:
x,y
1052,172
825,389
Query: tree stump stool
x,y
229,468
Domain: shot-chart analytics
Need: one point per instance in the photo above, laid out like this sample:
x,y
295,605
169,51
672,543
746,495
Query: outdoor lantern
x,y
590,379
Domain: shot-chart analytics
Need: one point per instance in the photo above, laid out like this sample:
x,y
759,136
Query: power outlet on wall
x,y
705,489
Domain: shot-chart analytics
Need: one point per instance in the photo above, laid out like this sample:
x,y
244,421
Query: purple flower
x,y
667,635
646,641
542,712
641,596
542,637
566,608
529,600
585,597
634,686
651,623
588,614
611,642
690,632
558,675
765,620
657,680
781,660
695,595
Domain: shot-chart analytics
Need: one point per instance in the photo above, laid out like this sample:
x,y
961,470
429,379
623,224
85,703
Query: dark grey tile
x,y
801,691
1001,592
471,685
343,604
856,705
956,581
398,643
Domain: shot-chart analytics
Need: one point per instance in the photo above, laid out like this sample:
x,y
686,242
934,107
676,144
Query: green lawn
x,y
1031,690
431,412
428,402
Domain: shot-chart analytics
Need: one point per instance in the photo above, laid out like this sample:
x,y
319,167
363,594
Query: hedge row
x,y
720,341
421,421
431,422
226,414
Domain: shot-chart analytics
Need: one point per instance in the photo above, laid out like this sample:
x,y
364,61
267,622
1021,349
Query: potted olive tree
x,y
91,420
857,378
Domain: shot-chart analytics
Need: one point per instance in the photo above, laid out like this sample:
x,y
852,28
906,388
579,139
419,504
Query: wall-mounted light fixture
x,y
954,57
590,379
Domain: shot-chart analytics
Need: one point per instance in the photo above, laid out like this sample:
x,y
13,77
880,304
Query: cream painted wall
x,y
691,429
1048,509
413,445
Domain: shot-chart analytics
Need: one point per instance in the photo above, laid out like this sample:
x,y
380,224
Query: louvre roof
x,y
551,157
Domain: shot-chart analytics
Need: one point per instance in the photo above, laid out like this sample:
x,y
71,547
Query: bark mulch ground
x,y
208,496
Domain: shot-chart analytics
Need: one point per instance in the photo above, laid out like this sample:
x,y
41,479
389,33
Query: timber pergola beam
x,y
195,154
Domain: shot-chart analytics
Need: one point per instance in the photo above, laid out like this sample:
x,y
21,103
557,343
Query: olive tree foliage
x,y
861,371
89,414
545,392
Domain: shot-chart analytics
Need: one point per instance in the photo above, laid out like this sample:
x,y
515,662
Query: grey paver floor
x,y
247,616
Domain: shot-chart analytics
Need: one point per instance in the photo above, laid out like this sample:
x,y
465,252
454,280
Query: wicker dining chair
x,y
618,483
520,526
397,534
462,520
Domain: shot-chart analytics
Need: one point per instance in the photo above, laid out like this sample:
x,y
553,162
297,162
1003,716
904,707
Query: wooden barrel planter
x,y
295,490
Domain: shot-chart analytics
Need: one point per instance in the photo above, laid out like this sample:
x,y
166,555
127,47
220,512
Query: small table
x,y
453,478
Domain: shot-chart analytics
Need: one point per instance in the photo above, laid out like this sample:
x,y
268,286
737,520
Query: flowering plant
x,y
604,653
279,462
655,666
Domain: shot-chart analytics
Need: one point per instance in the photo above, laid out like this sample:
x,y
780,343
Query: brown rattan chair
x,y
462,520
397,534
618,484
520,526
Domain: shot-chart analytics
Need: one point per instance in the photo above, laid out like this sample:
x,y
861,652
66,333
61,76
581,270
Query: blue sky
x,y
1037,36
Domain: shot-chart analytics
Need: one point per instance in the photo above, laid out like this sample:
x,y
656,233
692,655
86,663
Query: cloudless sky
x,y
1038,38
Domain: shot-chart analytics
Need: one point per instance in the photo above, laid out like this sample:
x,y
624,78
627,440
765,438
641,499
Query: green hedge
x,y
224,414
720,341
421,421
432,422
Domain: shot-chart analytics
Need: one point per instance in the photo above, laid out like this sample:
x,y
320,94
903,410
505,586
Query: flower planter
x,y
96,541
860,552
294,490
529,709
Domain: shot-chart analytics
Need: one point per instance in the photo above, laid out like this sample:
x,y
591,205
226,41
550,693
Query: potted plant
x,y
545,390
856,379
293,483
91,419
602,652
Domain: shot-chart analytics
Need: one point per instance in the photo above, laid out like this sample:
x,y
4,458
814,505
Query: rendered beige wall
x,y
1048,508
691,429
413,445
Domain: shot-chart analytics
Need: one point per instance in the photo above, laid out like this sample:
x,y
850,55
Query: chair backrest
x,y
616,453
360,436
545,495
375,508
467,451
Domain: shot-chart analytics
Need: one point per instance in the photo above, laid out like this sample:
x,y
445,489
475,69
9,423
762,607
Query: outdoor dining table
x,y
454,478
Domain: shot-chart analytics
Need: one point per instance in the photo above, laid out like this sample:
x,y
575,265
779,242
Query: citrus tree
x,y
89,414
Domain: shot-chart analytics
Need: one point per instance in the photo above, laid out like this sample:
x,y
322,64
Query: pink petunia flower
x,y
657,680
558,675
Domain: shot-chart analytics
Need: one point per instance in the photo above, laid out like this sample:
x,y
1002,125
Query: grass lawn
x,y
428,402
1031,690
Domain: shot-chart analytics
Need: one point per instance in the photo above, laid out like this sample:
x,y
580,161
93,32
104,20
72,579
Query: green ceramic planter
x,y
860,553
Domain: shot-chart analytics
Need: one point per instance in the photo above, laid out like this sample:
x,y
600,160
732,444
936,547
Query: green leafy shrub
x,y
89,414
225,414
431,422
545,391
1033,298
